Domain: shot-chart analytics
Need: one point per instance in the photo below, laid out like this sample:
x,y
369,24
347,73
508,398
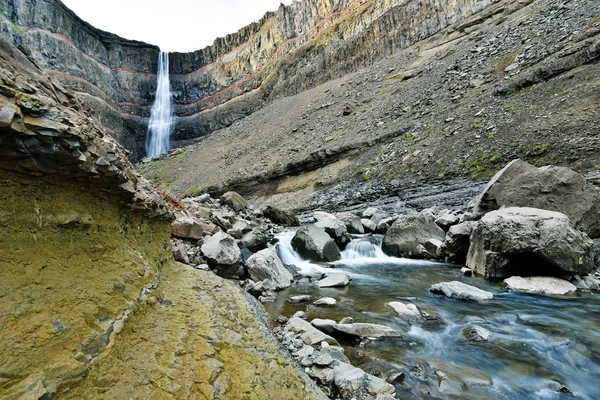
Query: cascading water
x,y
158,137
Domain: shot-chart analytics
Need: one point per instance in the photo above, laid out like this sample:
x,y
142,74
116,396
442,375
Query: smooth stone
x,y
326,301
460,291
475,333
335,279
546,285
366,330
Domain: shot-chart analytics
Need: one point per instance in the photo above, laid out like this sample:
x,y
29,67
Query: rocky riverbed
x,y
368,305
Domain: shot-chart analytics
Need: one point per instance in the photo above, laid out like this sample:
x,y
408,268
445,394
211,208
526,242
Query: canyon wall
x,y
290,50
92,304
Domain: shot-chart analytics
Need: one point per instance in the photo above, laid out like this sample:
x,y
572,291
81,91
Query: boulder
x,y
266,265
187,228
301,298
366,330
552,188
384,225
433,247
315,244
352,222
336,352
354,382
333,226
457,241
409,312
528,241
255,240
445,221
540,285
409,231
369,212
222,253
308,333
326,302
335,279
586,282
281,217
235,201
461,291
475,333
324,325
368,225
377,217
324,360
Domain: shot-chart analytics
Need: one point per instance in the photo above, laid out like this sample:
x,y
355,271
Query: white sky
x,y
173,25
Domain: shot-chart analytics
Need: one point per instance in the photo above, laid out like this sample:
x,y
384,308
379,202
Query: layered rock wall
x,y
287,51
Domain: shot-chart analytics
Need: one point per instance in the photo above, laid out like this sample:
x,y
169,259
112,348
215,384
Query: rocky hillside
x,y
93,305
295,48
515,80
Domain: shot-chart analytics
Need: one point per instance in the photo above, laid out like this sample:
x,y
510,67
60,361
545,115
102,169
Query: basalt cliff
x,y
295,48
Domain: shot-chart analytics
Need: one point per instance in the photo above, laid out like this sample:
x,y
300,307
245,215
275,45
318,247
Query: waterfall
x,y
159,129
360,249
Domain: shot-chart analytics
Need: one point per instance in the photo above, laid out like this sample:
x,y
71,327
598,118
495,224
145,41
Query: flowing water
x,y
158,137
541,347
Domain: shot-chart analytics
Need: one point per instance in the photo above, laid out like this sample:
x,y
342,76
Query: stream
x,y
540,347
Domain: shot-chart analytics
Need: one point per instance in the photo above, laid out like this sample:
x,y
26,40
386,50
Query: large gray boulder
x,y
528,241
279,216
266,266
235,201
335,279
546,285
352,222
456,244
410,231
333,226
553,188
222,253
313,243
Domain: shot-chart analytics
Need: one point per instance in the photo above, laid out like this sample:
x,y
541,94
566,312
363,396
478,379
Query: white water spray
x,y
158,137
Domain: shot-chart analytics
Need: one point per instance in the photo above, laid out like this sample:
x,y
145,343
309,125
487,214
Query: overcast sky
x,y
173,25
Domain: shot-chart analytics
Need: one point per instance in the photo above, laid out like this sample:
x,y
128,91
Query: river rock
x,y
308,333
475,333
409,231
299,314
528,241
324,325
407,311
235,201
255,240
279,216
266,265
586,282
546,285
326,301
222,253
368,225
323,374
335,279
187,227
552,188
350,380
457,242
433,247
352,222
368,213
366,330
384,225
313,243
445,221
461,291
333,226
324,360
301,298
336,352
